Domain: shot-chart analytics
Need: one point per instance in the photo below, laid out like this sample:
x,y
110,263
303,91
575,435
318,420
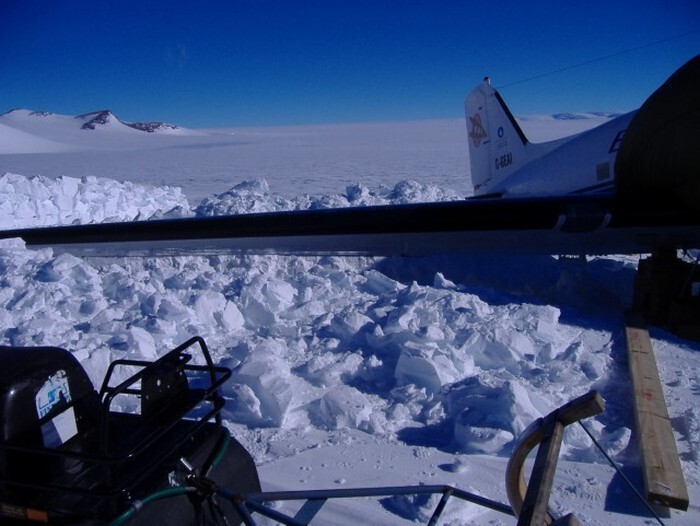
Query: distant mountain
x,y
582,116
106,117
151,127
22,111
29,131
95,119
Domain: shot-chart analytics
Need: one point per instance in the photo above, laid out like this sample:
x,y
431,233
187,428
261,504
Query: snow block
x,y
488,417
424,366
141,343
268,390
344,407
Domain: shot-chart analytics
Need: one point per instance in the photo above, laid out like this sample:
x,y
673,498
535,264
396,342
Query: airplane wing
x,y
548,197
551,225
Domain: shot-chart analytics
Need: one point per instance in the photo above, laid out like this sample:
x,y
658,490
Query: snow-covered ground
x,y
349,372
310,159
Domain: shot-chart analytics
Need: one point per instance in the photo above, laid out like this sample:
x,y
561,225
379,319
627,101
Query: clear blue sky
x,y
209,63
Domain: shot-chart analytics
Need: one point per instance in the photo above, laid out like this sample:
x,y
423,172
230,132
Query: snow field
x,y
426,368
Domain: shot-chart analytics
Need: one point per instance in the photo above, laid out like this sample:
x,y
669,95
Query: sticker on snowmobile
x,y
63,427
52,392
59,429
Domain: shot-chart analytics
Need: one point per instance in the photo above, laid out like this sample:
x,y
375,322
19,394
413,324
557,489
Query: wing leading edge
x,y
571,225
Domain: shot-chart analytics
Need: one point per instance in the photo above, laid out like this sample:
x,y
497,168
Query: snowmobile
x,y
150,441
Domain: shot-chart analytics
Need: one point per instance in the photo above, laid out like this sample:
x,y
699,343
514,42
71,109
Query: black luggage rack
x,y
114,457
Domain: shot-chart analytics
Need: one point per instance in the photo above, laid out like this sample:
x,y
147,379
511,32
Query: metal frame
x,y
200,407
249,503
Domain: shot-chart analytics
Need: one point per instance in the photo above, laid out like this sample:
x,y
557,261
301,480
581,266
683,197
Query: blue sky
x,y
212,63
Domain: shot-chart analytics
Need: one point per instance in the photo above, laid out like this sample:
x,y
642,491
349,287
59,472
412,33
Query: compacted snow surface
x,y
352,372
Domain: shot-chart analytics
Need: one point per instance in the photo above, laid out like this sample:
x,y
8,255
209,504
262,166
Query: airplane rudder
x,y
479,137
496,142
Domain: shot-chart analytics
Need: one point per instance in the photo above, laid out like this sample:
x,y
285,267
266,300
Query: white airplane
x,y
505,164
660,159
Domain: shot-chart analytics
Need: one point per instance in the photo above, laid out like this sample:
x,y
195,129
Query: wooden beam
x,y
536,503
663,477
530,502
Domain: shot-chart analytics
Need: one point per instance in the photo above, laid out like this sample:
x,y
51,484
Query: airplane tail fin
x,y
497,145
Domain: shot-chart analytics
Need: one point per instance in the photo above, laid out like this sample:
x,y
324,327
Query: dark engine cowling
x,y
659,157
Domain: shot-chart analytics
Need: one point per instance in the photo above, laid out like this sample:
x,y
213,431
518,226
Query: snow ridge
x,y
42,201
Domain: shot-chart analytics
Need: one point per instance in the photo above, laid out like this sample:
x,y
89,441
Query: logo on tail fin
x,y
478,132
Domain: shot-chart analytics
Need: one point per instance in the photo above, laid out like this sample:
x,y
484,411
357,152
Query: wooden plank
x,y
663,477
536,503
590,404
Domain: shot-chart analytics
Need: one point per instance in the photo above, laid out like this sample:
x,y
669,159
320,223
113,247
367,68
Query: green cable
x,y
137,505
223,448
